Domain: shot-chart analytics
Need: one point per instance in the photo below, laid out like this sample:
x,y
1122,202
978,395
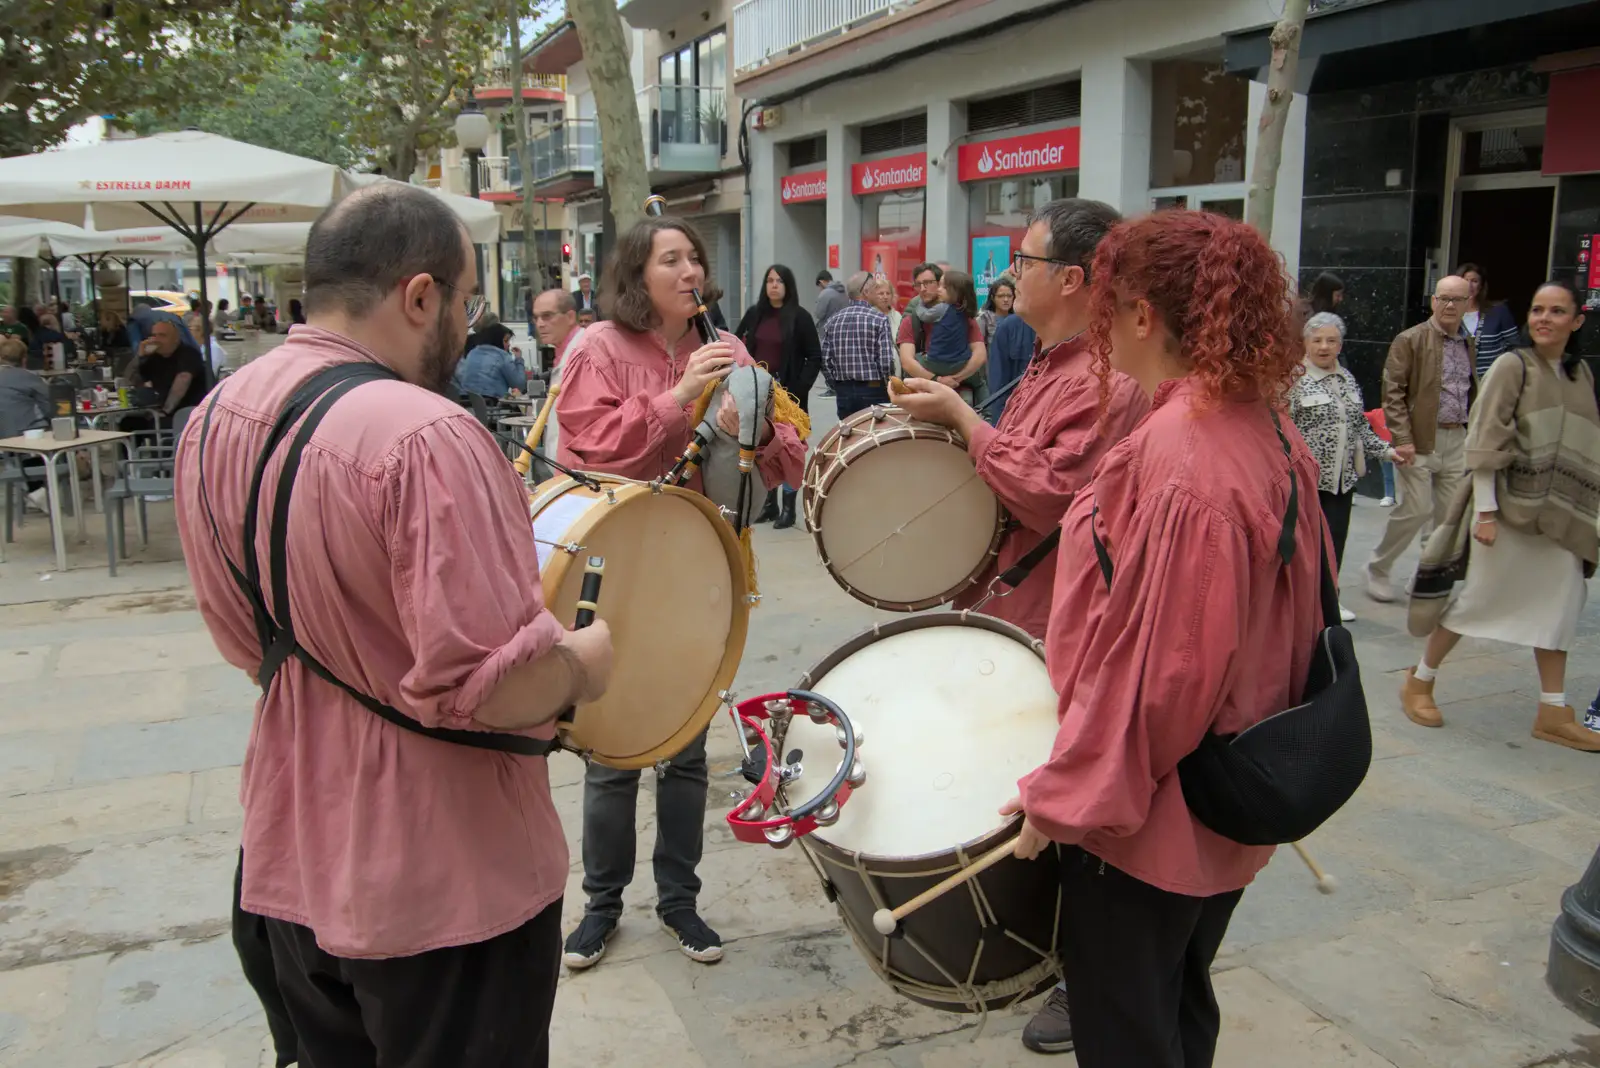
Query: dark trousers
x,y
483,1005
255,957
609,839
851,397
1336,509
1137,962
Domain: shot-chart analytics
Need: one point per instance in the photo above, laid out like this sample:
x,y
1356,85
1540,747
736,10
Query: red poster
x,y
807,186
1052,150
898,172
881,257
833,256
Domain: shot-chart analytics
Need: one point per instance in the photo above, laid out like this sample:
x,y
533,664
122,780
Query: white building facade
x,y
928,130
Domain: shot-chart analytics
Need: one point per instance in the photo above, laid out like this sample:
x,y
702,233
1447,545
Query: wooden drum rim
x,y
829,459
550,581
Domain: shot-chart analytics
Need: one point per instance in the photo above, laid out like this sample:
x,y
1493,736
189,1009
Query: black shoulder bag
x,y
1280,779
278,642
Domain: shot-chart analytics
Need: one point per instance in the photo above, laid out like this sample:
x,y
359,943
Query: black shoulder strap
x,y
276,635
1014,575
1286,541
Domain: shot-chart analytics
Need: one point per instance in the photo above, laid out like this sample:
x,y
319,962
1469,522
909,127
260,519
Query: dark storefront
x,y
1440,132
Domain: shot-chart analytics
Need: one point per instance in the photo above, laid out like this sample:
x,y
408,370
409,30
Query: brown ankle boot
x,y
1559,724
1416,699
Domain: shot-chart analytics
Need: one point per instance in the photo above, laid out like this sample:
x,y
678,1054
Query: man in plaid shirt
x,y
858,352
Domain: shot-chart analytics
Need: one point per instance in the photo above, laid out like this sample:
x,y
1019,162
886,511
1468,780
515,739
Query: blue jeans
x,y
851,397
609,837
1388,479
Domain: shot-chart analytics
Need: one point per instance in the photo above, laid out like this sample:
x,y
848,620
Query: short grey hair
x,y
857,283
1320,320
563,299
1077,226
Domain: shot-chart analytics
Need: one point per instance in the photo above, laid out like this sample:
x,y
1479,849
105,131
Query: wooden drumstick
x,y
536,431
885,921
1326,883
897,385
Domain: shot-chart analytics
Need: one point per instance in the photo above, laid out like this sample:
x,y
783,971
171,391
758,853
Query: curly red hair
x,y
1219,288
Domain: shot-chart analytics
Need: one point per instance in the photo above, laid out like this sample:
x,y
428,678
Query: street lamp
x,y
472,133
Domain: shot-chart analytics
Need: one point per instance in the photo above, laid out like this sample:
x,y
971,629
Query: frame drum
x,y
675,598
953,708
897,511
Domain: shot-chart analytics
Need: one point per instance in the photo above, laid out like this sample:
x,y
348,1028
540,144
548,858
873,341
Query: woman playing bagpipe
x,y
635,397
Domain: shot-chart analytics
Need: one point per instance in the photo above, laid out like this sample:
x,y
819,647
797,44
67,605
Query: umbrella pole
x,y
200,238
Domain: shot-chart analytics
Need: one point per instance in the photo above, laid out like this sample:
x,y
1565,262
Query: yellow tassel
x,y
785,409
749,562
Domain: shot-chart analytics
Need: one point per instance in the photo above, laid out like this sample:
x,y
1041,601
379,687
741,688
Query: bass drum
x,y
676,600
952,709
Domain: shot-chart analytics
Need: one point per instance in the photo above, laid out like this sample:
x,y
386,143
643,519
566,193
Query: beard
x,y
440,355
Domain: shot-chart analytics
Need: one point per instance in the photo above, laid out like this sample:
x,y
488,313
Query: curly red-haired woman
x,y
1193,623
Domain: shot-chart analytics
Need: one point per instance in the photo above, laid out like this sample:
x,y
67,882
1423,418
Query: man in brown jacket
x,y
1428,384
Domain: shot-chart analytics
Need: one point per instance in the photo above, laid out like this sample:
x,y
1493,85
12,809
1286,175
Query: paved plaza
x,y
121,734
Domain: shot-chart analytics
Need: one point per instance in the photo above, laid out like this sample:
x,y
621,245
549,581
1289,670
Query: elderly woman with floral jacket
x,y
1325,404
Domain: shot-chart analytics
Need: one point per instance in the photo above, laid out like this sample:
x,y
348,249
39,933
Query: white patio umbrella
x,y
197,183
481,218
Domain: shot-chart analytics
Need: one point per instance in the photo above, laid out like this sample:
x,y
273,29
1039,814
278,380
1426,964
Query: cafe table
x,y
51,451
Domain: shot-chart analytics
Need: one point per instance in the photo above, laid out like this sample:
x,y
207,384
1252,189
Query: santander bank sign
x,y
898,172
809,185
1052,150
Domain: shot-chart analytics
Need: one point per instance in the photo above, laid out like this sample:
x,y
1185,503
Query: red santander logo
x,y
1052,150
899,172
809,185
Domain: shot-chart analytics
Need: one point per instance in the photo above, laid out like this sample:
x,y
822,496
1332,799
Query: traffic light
x,y
566,252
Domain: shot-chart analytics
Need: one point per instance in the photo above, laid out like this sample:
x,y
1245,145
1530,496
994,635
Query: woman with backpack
x,y
1187,603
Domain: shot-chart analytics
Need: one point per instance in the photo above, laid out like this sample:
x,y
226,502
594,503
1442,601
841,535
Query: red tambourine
x,y
757,818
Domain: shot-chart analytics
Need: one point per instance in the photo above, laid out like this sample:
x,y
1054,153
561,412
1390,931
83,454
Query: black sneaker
x,y
697,941
586,945
1050,1030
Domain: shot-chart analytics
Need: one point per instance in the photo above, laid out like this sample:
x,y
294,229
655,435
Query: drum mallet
x,y
884,921
1326,883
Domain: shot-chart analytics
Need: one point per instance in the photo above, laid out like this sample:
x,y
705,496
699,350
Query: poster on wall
x,y
1589,270
881,257
990,258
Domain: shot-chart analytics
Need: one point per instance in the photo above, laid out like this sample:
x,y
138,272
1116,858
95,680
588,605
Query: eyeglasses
x,y
1018,258
475,303
1451,301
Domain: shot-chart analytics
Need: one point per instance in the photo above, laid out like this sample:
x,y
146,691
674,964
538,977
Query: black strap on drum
x,y
276,635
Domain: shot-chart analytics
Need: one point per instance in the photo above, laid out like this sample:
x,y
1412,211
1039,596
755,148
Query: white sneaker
x,y
40,499
1346,615
1591,719
1387,502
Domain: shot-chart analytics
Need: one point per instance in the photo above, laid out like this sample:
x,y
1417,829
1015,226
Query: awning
x,y
555,51
1363,25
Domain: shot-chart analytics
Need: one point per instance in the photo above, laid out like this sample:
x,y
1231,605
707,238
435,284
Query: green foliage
x,y
277,93
63,61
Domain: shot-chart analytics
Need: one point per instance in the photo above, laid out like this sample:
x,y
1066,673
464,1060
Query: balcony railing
x,y
498,76
498,174
686,126
770,29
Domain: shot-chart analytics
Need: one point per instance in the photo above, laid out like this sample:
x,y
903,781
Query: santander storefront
x,y
891,191
1006,178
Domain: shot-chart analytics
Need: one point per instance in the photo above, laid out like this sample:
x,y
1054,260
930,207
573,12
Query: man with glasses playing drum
x,y
628,388
1046,445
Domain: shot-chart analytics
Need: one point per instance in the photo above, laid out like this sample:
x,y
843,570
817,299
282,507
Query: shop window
x,y
998,219
892,238
1199,115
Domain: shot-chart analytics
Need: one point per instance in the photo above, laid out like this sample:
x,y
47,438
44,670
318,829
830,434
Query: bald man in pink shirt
x,y
402,856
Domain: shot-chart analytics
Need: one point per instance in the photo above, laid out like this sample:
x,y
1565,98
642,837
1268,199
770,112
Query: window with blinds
x,y
909,132
1047,103
808,151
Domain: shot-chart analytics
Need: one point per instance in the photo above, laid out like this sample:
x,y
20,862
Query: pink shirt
x,y
1204,628
412,577
618,414
1044,451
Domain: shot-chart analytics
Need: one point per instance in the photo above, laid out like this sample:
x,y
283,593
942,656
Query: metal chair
x,y
149,475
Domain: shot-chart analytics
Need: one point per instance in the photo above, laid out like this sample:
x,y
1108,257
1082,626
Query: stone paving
x,y
121,732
